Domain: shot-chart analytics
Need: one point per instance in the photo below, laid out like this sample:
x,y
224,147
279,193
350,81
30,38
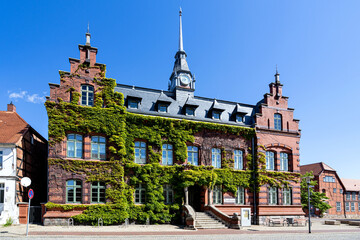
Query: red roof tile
x,y
316,168
12,127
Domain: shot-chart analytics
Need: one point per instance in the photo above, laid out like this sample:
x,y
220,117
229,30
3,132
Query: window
x,y
167,154
329,179
98,192
217,195
163,108
216,115
347,207
238,159
73,191
140,194
193,154
132,103
2,196
270,161
286,196
341,191
334,190
190,111
359,206
284,162
168,194
1,159
240,196
98,147
239,118
273,196
353,206
74,145
140,152
338,206
216,157
277,122
353,196
347,196
87,95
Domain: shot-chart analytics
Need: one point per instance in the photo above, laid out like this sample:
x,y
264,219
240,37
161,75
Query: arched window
x,y
238,159
98,192
73,191
270,161
284,162
277,121
98,146
74,145
87,95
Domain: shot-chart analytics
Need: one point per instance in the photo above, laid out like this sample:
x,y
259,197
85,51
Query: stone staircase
x,y
206,221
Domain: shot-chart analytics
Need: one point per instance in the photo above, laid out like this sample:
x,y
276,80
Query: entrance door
x,y
246,217
194,197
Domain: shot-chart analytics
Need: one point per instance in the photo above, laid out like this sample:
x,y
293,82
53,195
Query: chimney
x,y
11,107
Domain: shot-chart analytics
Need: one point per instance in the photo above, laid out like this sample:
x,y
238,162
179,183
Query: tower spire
x,y
88,35
181,47
277,76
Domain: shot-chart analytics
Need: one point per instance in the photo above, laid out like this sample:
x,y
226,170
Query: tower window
x,y
277,121
87,95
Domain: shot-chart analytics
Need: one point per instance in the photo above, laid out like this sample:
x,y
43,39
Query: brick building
x,y
351,198
23,153
172,153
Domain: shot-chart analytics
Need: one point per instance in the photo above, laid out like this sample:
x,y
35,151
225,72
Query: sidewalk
x,y
165,230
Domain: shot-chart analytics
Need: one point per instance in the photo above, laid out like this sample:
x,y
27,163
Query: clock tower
x,y
181,78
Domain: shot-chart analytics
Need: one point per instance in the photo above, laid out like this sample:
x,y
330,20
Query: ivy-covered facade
x,y
118,151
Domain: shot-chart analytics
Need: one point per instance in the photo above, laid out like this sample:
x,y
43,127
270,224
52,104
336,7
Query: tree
x,y
317,199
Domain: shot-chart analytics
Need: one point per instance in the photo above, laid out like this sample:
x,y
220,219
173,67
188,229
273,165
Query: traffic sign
x,y
31,193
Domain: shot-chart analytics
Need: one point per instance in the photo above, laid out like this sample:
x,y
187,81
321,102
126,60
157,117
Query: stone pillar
x,y
210,200
186,196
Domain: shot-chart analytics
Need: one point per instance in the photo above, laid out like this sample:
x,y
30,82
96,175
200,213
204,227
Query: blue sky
x,y
232,46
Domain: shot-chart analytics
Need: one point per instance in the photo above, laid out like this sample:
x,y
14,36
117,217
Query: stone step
x,y
206,221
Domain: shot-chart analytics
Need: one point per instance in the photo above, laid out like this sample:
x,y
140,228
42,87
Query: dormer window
x,y
163,108
190,111
87,95
239,118
133,103
216,115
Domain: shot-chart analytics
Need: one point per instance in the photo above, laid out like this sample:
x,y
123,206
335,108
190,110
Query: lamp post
x,y
308,179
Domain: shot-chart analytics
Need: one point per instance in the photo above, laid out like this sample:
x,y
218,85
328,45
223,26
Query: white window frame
x,y
216,157
352,204
270,160
86,92
273,196
168,193
347,206
217,195
141,152
284,161
240,196
167,154
140,194
338,206
193,155
238,159
287,196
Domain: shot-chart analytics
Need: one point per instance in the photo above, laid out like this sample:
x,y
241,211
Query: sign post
x,y
30,195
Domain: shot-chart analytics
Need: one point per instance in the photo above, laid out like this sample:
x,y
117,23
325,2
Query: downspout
x,y
254,177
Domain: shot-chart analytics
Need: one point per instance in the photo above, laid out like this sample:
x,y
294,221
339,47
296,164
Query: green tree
x,y
317,199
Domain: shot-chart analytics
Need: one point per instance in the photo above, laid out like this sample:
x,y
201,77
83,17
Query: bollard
x,y
147,222
126,222
100,222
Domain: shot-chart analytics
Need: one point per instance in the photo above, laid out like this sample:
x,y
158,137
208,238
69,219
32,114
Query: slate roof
x,y
178,99
12,127
351,184
316,168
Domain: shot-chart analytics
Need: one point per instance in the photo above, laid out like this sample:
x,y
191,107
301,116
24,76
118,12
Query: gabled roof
x,y
351,184
316,168
12,127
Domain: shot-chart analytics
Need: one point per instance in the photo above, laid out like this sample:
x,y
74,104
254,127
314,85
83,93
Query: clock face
x,y
185,80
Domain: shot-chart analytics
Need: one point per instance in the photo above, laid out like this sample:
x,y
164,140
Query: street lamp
x,y
308,179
